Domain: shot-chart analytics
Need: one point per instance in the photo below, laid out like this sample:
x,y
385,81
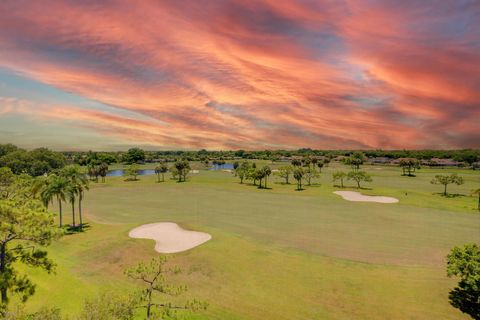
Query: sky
x,y
240,74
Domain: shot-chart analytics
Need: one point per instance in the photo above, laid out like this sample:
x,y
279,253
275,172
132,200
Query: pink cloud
x,y
257,74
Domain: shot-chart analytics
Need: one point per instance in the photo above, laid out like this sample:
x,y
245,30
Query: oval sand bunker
x,y
169,237
357,196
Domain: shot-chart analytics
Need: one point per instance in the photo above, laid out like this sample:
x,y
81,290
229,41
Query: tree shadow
x,y
409,175
71,230
450,195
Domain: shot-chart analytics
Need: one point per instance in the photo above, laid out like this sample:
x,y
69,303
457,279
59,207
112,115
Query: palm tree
x,y
80,189
266,173
77,183
72,195
52,186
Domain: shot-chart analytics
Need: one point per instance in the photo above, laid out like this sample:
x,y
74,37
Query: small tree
x,y
408,166
103,170
93,171
285,172
355,160
445,180
298,175
464,262
296,162
24,229
182,169
242,170
153,276
339,175
132,172
311,173
358,177
160,170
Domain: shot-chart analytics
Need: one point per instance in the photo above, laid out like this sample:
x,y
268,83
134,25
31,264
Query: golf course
x,y
274,253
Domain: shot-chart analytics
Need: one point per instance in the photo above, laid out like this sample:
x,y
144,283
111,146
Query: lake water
x,y
120,172
226,166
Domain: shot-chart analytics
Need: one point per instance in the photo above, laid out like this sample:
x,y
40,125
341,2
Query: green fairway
x,y
277,253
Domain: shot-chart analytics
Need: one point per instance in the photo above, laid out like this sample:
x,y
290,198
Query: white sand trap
x,y
357,196
194,171
169,237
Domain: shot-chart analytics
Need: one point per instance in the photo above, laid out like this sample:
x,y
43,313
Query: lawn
x,y
277,253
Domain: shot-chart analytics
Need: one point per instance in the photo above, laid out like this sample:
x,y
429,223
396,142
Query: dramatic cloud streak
x,y
254,74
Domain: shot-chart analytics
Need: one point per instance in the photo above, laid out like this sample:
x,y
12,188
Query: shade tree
x,y
464,263
242,170
409,166
310,173
445,180
298,174
339,176
285,172
359,177
160,171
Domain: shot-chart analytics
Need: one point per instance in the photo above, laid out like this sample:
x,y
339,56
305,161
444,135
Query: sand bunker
x,y
169,237
194,171
357,196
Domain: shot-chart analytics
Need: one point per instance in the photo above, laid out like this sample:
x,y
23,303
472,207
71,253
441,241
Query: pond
x,y
120,172
226,166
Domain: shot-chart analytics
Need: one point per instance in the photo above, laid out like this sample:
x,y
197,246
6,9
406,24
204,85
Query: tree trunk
x,y
73,213
149,303
341,181
3,254
358,184
80,197
60,208
445,190
158,177
286,179
163,177
265,182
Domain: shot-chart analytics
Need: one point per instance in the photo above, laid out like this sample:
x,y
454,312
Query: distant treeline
x,y
138,155
40,161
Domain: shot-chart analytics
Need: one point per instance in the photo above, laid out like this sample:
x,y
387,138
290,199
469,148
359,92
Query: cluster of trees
x,y
409,166
36,162
357,176
66,185
249,171
355,160
95,170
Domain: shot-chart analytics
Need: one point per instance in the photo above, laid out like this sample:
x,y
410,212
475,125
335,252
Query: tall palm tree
x,y
72,195
53,186
77,183
81,189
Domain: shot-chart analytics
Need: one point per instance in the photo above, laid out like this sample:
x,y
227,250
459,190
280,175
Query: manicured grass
x,y
278,253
